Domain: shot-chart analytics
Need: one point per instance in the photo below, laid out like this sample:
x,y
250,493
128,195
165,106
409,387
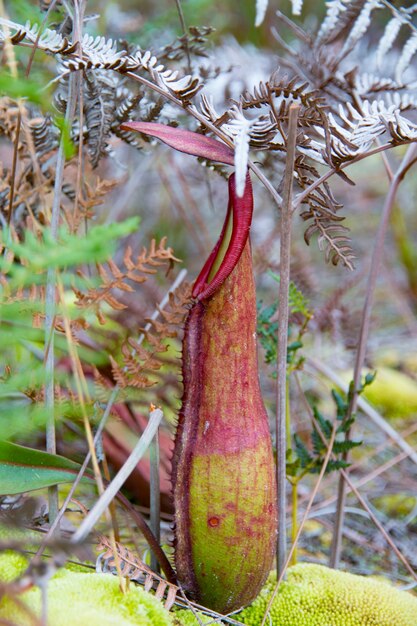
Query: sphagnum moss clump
x,y
79,599
314,595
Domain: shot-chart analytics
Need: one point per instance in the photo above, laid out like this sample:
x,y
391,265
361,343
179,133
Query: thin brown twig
x,y
376,260
184,30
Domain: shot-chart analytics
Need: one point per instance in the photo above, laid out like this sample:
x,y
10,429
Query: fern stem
x,y
283,315
49,327
302,197
407,162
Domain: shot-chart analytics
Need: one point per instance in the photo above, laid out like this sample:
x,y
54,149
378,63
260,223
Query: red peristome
x,y
185,141
242,210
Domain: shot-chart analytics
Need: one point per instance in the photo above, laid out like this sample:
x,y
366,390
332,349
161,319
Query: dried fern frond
x,y
332,237
262,6
407,54
135,270
386,42
361,24
135,569
244,132
101,53
194,42
140,360
45,135
99,112
334,9
337,23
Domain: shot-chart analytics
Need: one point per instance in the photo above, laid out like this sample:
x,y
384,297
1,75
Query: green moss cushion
x,y
314,595
78,599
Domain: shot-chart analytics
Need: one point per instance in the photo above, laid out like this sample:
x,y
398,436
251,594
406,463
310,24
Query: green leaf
x,y
69,250
341,404
25,469
369,379
298,303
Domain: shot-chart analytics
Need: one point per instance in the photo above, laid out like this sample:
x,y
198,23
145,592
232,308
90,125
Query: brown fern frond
x,y
194,42
332,238
140,360
113,278
134,568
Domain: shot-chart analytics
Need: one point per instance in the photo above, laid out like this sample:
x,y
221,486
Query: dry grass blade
x,y
155,417
135,569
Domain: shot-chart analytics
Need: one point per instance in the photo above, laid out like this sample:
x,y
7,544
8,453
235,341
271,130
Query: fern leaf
x,y
241,127
390,33
134,568
99,111
334,9
407,54
361,24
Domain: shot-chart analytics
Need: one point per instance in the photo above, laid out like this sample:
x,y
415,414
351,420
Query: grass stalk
x,y
50,292
283,315
50,297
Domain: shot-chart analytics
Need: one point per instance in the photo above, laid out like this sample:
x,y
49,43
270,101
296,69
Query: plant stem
x,y
51,280
283,314
184,30
377,254
155,496
294,522
50,305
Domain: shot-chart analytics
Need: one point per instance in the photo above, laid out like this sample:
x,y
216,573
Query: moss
x,y
82,599
314,595
12,565
184,617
